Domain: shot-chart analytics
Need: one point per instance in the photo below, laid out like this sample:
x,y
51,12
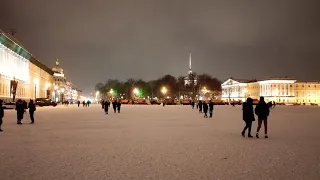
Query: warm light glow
x,y
47,85
111,91
97,93
277,82
245,91
62,90
36,80
55,87
164,90
136,91
277,92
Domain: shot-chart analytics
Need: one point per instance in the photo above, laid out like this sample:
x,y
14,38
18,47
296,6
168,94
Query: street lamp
x,y
136,91
36,81
164,90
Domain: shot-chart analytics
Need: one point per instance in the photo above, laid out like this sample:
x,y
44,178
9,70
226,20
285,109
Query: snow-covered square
x,y
155,142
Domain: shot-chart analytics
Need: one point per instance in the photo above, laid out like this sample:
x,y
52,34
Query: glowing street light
x,y
111,91
136,91
164,90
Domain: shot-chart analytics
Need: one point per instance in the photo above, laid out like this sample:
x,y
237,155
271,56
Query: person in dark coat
x,y
192,104
200,106
83,103
102,104
119,106
20,108
1,114
262,111
78,103
205,109
211,108
248,116
106,106
32,109
114,105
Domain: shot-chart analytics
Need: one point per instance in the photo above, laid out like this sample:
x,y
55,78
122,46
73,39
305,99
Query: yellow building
x,y
281,90
21,74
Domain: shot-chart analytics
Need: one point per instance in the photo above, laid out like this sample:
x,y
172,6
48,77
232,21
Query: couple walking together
x,y
262,111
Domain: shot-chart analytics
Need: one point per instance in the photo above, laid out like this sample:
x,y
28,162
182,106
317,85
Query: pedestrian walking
x,y
200,106
114,106
20,108
262,111
247,116
119,106
78,103
205,109
32,109
106,106
1,114
211,108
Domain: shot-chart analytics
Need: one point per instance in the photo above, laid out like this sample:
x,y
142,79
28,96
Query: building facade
x,y
22,76
281,90
64,90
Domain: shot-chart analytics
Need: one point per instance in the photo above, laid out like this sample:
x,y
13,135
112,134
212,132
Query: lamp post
x,y
36,81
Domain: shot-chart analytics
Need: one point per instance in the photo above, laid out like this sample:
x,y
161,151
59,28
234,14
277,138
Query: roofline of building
x,y
19,49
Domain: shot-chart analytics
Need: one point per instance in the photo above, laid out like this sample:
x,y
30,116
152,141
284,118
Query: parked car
x,y
186,102
155,102
45,102
9,105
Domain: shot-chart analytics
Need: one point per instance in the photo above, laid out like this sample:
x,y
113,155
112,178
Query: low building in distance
x,y
280,90
22,76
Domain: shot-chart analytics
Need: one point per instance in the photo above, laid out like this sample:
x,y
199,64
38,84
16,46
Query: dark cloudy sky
x,y
100,39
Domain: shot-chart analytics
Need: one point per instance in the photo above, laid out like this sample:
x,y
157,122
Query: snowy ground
x,y
155,142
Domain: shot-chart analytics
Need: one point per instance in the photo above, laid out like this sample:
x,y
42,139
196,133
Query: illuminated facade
x,y
21,75
281,90
63,89
235,89
191,79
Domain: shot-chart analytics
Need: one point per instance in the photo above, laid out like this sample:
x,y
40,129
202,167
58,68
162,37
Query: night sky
x,y
100,39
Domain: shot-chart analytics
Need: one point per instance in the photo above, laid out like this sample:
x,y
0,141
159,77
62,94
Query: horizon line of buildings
x,y
23,76
281,90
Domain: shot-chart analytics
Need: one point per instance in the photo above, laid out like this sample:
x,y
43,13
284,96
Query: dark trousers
x,y
118,110
1,122
31,116
210,112
115,109
205,114
248,126
200,110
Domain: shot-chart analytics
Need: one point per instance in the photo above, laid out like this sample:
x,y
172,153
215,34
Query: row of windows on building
x,y
5,90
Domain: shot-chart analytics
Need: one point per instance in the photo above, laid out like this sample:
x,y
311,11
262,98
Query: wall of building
x,y
17,64
278,90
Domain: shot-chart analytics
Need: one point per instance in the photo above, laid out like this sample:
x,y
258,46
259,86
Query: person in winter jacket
x,y
20,108
106,106
262,111
205,109
210,108
248,116
32,109
118,106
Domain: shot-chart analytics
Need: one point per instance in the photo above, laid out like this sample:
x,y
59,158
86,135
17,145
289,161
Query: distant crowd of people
x,y
84,103
21,108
